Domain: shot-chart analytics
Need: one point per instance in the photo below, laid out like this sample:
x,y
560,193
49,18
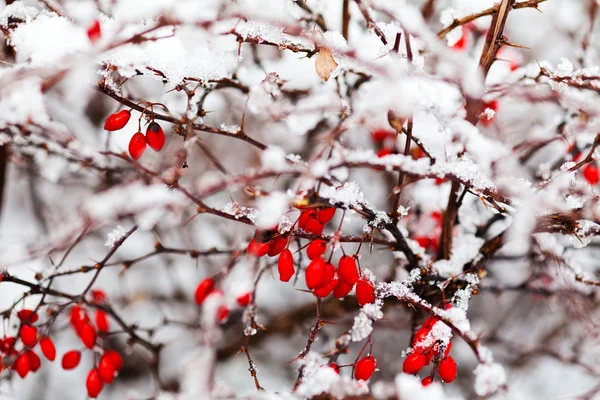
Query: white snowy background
x,y
251,64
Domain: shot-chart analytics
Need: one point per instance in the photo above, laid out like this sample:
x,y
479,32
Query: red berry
x,y
304,217
314,226
22,365
106,369
427,381
8,343
347,270
423,241
244,299
342,289
384,152
326,290
447,369
78,317
48,349
257,249
137,145
34,361
155,136
380,135
313,273
590,173
94,31
327,276
87,333
365,292
117,121
205,287
115,359
102,321
413,363
462,42
222,313
98,295
27,316
364,368
285,266
420,335
28,335
277,245
316,249
325,215
93,383
335,367
71,359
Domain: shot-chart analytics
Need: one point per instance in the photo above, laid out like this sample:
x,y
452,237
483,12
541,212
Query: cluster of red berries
x,y
320,275
110,362
27,359
424,352
154,137
207,287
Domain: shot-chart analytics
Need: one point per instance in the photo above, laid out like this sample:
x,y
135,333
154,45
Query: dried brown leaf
x,y
325,63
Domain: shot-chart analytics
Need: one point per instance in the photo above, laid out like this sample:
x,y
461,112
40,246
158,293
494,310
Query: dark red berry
x,y
285,265
155,136
205,287
364,368
137,145
117,121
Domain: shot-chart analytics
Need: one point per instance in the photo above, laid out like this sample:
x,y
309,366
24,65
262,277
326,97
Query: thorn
x,y
506,42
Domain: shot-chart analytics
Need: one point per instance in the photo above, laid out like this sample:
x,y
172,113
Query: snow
x,y
35,41
348,195
271,208
489,378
